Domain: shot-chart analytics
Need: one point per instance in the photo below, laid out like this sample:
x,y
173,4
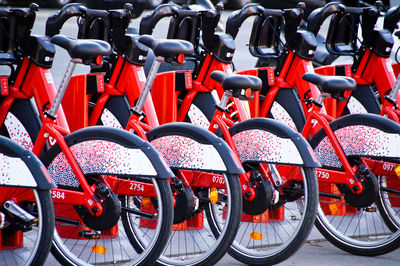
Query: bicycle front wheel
x,y
26,241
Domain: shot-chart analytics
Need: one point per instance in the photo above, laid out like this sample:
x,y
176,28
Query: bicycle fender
x,y
20,167
269,141
185,146
124,153
374,136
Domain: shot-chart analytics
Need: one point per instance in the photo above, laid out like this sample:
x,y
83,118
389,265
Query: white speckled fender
x,y
185,146
21,168
365,135
269,141
106,151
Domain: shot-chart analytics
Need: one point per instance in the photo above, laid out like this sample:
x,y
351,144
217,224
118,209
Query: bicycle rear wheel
x,y
77,242
192,242
26,241
267,234
358,224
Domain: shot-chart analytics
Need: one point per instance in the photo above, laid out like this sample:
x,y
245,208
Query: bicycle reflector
x,y
146,202
213,195
248,92
99,60
180,58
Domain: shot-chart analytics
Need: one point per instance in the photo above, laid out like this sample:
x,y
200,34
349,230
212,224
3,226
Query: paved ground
x,y
315,253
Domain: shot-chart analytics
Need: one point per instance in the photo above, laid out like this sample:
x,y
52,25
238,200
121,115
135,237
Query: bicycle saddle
x,y
331,84
82,48
167,48
236,82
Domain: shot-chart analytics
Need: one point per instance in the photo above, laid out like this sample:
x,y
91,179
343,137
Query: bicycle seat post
x,y
224,100
147,86
395,90
62,88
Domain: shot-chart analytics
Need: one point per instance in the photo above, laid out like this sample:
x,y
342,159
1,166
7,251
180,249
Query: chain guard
x,y
110,216
367,197
184,205
262,200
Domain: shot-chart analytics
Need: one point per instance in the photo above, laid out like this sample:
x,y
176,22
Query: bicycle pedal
x,y
370,209
89,234
20,213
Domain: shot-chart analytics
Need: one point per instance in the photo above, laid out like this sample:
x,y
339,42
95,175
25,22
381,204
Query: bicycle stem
x,y
63,87
147,86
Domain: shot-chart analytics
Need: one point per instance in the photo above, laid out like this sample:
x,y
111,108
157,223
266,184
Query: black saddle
x,y
331,84
167,48
82,49
237,83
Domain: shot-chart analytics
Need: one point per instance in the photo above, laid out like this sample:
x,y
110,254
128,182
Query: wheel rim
x,y
110,248
203,241
266,236
362,228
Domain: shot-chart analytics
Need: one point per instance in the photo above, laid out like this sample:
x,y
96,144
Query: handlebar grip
x,y
236,19
55,22
318,16
148,22
392,17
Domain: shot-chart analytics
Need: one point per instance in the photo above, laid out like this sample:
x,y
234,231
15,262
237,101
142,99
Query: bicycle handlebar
x,y
392,17
148,22
318,16
55,22
236,19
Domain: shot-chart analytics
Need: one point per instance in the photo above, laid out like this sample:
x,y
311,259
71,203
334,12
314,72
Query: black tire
x,y
362,100
199,246
388,201
286,108
22,123
335,220
69,249
274,245
139,236
202,110
37,240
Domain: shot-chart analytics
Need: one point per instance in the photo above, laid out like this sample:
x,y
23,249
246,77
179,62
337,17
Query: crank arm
x,y
20,213
390,190
144,214
330,195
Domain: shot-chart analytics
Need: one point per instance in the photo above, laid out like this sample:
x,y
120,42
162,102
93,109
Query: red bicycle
x,y
377,87
99,171
211,195
262,238
287,97
262,201
348,174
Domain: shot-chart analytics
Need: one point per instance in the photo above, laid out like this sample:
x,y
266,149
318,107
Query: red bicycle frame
x,y
290,76
128,80
372,69
34,81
